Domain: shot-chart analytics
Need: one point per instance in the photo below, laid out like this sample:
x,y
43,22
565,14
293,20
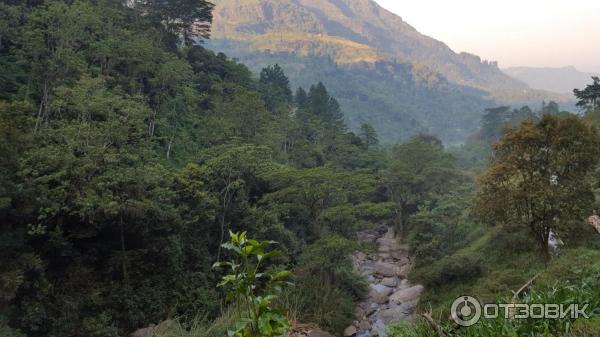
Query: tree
x,y
519,115
325,107
275,87
301,98
538,177
301,196
368,135
493,121
419,172
550,108
232,175
589,98
245,114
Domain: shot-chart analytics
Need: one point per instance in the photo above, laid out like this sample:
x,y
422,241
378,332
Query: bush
x,y
453,269
327,288
410,329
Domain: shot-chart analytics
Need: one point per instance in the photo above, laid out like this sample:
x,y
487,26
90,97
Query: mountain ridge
x,y
363,22
424,81
555,79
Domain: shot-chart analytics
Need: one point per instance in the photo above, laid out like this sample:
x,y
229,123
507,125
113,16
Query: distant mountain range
x,y
381,69
561,80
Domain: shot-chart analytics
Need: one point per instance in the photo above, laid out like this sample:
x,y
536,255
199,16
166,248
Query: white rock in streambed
x,y
407,295
350,331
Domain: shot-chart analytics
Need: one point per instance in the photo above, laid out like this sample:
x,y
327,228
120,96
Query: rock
x,y
372,308
382,229
350,331
410,305
402,272
389,282
393,315
384,256
364,325
144,332
152,330
379,329
407,295
400,255
390,234
385,269
404,284
382,289
359,313
378,297
300,331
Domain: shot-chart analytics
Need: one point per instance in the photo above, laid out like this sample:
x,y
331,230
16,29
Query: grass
x,y
200,326
507,264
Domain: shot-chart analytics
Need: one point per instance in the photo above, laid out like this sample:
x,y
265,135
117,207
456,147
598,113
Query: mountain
x,y
381,69
561,80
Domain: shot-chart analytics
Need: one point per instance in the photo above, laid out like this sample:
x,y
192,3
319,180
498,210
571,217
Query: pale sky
x,y
537,33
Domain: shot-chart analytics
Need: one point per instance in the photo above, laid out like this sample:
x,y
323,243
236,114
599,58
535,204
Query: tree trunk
x,y
546,243
169,146
123,254
222,220
42,114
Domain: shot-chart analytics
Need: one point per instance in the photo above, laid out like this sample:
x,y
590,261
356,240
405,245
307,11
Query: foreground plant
x,y
252,289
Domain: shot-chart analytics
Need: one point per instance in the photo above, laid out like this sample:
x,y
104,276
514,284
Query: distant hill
x,y
561,80
382,69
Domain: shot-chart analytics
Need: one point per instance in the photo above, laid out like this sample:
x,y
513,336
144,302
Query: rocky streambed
x,y
392,297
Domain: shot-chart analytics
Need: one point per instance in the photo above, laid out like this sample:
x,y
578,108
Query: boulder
x,y
364,325
393,315
407,295
350,331
378,297
371,309
359,313
410,306
385,269
144,332
153,330
389,282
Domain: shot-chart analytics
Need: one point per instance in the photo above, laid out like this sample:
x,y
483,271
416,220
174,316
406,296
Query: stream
x,y
392,297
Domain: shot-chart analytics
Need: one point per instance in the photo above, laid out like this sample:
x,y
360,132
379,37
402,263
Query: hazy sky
x,y
535,33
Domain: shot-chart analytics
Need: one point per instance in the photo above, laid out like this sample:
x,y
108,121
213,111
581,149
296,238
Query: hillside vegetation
x,y
414,77
147,182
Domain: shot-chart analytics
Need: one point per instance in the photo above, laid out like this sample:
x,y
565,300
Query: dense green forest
x,y
133,159
400,100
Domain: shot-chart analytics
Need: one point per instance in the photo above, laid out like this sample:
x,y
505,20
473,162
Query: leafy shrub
x,y
258,316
